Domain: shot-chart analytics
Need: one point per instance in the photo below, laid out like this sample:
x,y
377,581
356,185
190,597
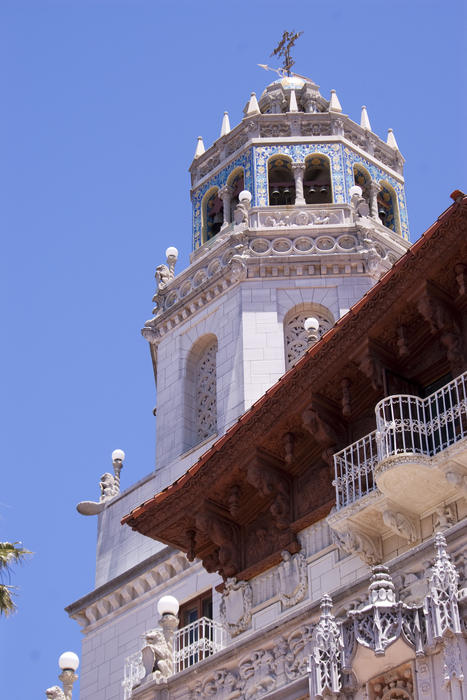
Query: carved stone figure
x,y
157,656
235,607
55,693
292,578
108,486
162,276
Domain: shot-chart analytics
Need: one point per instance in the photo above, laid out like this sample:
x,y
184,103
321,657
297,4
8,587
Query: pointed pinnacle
x,y
293,107
364,119
253,107
334,104
225,128
199,148
391,140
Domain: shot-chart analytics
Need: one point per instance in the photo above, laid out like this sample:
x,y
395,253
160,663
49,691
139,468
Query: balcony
x,y
191,644
197,641
416,458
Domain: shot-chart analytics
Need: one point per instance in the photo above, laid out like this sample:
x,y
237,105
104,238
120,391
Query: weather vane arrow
x,y
283,49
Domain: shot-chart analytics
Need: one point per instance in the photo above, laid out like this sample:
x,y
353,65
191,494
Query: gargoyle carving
x,y
225,535
157,656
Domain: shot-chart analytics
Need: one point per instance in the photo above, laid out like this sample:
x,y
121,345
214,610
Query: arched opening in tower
x,y
387,207
317,180
362,179
212,214
237,182
281,181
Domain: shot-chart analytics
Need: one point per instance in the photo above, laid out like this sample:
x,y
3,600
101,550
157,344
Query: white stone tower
x,y
297,212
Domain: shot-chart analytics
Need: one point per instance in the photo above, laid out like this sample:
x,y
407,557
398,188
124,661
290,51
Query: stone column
x,y
298,173
226,195
374,189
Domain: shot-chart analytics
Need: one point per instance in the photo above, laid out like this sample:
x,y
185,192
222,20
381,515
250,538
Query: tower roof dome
x,y
276,96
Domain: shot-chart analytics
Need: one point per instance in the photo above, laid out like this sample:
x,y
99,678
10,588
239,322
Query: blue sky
x,y
102,104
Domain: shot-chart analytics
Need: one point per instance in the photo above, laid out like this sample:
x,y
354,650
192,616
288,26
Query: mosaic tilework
x,y
298,153
377,174
246,162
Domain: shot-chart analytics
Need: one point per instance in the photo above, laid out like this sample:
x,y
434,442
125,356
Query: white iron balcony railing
x,y
196,642
354,468
405,424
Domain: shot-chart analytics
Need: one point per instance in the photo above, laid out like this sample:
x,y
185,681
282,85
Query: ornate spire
x,y
293,107
199,148
225,128
334,104
326,659
391,140
253,107
364,119
441,601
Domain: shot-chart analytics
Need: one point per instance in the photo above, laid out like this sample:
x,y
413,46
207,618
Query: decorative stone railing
x,y
406,425
300,216
197,641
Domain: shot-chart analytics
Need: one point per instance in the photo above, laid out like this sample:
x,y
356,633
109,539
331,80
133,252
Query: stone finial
x,y
391,140
334,104
225,128
253,106
381,588
293,107
364,119
326,658
441,601
199,148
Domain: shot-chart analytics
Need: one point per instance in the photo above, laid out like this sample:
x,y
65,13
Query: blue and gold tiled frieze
x,y
298,153
377,174
219,180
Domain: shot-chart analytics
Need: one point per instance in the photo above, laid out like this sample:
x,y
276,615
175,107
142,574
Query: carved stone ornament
x,y
354,541
109,486
157,656
401,524
293,579
441,602
452,663
397,683
55,693
326,659
235,607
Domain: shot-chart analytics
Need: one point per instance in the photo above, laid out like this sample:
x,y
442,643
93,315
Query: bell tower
x,y
297,211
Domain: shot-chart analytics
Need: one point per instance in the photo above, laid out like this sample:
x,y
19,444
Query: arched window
x,y
362,178
387,207
295,336
212,213
317,180
281,181
237,182
201,391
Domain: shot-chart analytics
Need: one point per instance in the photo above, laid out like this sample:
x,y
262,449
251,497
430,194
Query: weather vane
x,y
283,49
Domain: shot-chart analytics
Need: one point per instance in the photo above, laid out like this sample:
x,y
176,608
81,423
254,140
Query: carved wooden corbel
x,y
402,345
346,398
289,444
372,367
233,500
268,481
191,537
320,428
461,278
441,318
226,536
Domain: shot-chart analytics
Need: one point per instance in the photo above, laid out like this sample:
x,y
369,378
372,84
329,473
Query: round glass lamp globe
x,y
356,189
118,454
68,660
244,196
311,324
167,605
171,252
